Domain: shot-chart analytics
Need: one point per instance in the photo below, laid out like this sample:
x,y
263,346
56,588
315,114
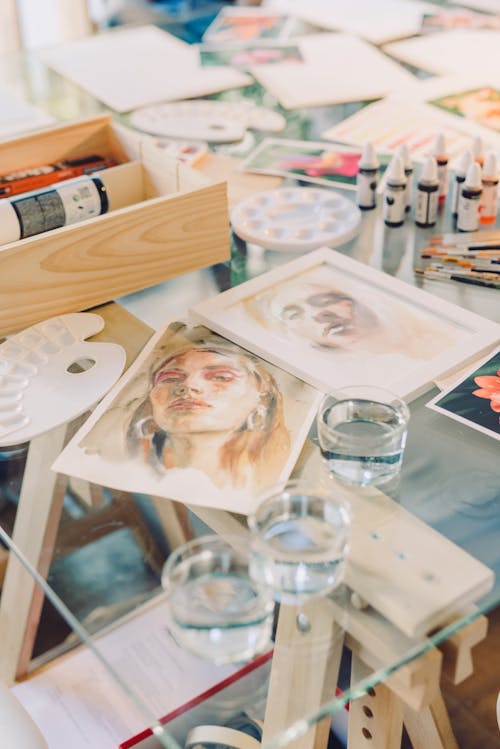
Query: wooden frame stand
x,y
308,648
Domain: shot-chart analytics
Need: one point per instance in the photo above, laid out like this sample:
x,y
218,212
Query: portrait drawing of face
x,y
198,403
203,391
326,312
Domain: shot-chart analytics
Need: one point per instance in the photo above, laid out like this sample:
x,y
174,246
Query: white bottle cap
x,y
368,158
464,163
430,171
9,223
473,178
490,168
396,171
439,145
477,148
404,155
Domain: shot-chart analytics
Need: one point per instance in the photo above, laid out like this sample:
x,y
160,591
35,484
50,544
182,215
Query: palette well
x,y
296,219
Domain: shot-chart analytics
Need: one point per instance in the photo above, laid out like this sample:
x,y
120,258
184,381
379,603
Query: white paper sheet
x,y
17,116
492,6
102,453
378,22
131,68
467,52
336,68
77,704
397,120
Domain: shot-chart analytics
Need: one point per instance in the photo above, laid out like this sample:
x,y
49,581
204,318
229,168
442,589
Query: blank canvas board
x,y
337,68
134,67
467,52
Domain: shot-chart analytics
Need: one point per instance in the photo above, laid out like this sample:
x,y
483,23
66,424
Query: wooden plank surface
x,y
409,572
74,268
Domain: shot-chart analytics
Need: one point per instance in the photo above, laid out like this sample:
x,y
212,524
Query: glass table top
x,y
100,564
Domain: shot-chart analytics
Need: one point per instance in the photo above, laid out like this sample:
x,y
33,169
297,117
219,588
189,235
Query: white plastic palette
x,y
296,219
204,119
49,374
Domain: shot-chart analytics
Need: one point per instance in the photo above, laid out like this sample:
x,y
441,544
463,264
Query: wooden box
x,y
165,219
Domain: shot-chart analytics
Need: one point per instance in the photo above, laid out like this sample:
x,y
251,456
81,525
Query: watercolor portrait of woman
x,y
199,416
319,310
325,320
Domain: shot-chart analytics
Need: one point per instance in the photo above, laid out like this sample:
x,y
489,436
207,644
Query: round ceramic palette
x,y
204,119
296,219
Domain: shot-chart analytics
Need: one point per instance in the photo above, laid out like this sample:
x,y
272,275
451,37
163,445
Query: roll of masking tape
x,y
220,736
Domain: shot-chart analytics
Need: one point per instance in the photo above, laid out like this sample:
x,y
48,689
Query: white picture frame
x,y
221,450
381,331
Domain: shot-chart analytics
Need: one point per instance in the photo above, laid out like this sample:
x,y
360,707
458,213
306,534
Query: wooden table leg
x,y
376,719
430,728
304,671
174,519
35,529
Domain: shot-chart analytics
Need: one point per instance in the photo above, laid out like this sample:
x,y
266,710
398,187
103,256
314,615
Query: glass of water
x,y
300,541
362,434
217,611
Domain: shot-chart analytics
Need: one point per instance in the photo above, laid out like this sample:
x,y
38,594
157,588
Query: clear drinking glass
x,y
362,434
300,541
217,611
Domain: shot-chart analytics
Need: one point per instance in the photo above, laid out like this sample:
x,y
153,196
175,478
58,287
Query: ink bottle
x,y
404,155
469,201
394,196
427,194
488,208
439,152
459,179
366,181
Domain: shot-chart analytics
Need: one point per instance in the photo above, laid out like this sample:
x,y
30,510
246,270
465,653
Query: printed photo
x,y
475,401
198,419
333,321
247,57
482,105
450,19
321,163
246,25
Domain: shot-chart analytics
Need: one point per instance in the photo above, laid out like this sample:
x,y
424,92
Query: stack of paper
x,y
130,68
77,703
379,22
337,68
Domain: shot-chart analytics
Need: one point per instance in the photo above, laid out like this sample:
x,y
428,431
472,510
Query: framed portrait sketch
x,y
334,321
475,399
197,419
